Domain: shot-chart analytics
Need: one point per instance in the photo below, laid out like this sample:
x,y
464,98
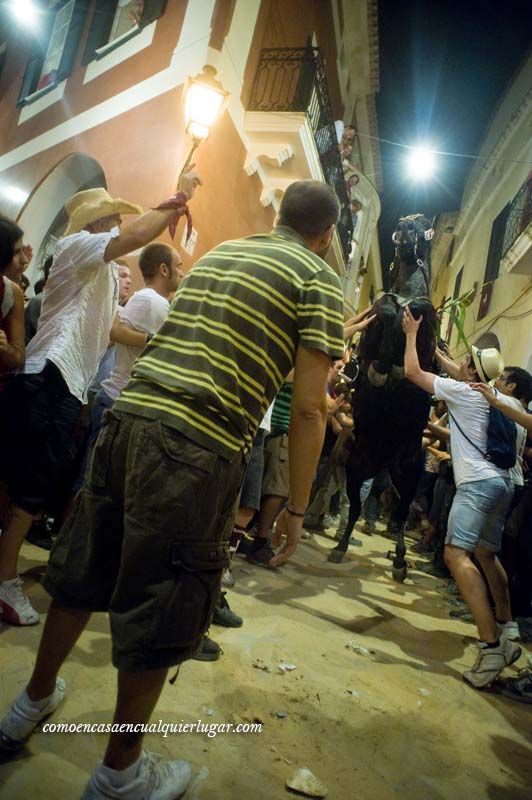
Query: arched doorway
x,y
488,340
43,216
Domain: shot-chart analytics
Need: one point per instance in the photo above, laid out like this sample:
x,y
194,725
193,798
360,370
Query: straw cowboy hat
x,y
488,363
92,204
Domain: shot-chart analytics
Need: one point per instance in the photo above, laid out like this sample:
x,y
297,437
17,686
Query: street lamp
x,y
24,11
205,102
421,163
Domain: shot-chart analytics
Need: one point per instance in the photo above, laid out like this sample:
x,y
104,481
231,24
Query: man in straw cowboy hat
x,y
479,509
79,306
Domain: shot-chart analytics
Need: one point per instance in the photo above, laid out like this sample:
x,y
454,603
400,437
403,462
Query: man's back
x,y
231,336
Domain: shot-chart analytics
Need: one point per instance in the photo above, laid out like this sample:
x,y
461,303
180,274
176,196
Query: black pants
x,y
43,447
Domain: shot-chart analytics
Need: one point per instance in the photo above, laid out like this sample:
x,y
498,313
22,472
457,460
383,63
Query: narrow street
x,y
392,720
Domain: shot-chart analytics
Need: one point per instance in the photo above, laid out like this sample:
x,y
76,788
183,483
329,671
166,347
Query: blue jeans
x,y
101,403
478,514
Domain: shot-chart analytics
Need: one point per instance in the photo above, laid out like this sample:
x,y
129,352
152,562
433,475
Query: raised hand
x,y
189,181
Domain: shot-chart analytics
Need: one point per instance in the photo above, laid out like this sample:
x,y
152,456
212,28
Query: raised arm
x,y
123,334
151,224
521,417
446,363
414,373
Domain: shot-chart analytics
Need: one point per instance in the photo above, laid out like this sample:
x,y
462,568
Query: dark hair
x,y
309,208
47,266
152,256
523,383
10,233
38,286
24,282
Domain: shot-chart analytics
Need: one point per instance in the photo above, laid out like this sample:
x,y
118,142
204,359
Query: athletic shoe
x,y
510,630
331,521
24,716
155,780
209,650
228,580
223,614
519,688
490,663
15,607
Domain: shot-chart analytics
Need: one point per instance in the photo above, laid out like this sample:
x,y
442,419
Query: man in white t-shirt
x,y
145,311
79,306
483,496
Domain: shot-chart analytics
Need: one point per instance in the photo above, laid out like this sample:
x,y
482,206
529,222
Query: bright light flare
x,y
421,163
25,12
13,193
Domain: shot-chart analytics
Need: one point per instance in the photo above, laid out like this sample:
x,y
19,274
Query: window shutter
x,y
72,39
102,22
493,261
153,9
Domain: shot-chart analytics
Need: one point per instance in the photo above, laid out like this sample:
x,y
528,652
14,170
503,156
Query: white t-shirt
x,y
79,304
145,311
471,412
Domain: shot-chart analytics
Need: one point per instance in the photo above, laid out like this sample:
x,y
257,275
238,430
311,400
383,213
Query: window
x,y
127,17
53,54
58,37
116,21
493,261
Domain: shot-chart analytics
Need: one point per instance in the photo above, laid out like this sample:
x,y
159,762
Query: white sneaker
x,y
490,662
510,630
155,780
15,607
24,716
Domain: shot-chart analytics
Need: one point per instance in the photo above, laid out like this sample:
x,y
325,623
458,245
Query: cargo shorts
x,y
147,540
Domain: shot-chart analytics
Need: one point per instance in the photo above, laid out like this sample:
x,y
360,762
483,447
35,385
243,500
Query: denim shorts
x,y
478,514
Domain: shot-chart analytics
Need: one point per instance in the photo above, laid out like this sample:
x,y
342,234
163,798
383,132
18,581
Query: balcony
x,y
292,135
517,243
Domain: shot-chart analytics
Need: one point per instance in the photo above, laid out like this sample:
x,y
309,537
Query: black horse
x,y
389,412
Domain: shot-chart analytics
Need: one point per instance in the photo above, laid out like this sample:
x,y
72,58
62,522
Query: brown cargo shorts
x,y
276,480
147,540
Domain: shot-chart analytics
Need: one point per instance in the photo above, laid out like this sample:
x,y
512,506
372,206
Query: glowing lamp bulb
x,y
421,163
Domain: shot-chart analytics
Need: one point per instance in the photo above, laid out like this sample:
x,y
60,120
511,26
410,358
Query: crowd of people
x,y
147,439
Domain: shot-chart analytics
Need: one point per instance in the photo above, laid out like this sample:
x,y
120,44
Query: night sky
x,y
443,66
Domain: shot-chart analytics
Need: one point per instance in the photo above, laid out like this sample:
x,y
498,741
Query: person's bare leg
x,y
269,511
244,517
138,693
473,590
498,582
11,541
62,629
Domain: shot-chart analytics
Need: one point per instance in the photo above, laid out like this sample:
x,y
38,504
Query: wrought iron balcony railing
x,y
519,214
294,79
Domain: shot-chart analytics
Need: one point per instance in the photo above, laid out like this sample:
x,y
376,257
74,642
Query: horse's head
x,y
412,238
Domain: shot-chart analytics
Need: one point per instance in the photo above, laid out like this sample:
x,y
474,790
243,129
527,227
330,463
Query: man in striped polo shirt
x,y
148,536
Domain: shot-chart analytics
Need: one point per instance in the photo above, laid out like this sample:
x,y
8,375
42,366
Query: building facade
x,y
486,248
92,95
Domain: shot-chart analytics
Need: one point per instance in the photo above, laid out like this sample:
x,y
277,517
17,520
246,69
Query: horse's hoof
x,y
336,556
399,574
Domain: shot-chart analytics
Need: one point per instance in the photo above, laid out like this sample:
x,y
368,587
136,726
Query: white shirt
x,y
266,424
79,304
471,412
145,311
9,296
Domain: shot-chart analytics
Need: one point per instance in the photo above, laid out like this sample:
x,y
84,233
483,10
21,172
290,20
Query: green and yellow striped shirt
x,y
230,339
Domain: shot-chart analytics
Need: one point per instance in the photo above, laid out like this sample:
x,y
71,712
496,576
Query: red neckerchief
x,y
179,202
